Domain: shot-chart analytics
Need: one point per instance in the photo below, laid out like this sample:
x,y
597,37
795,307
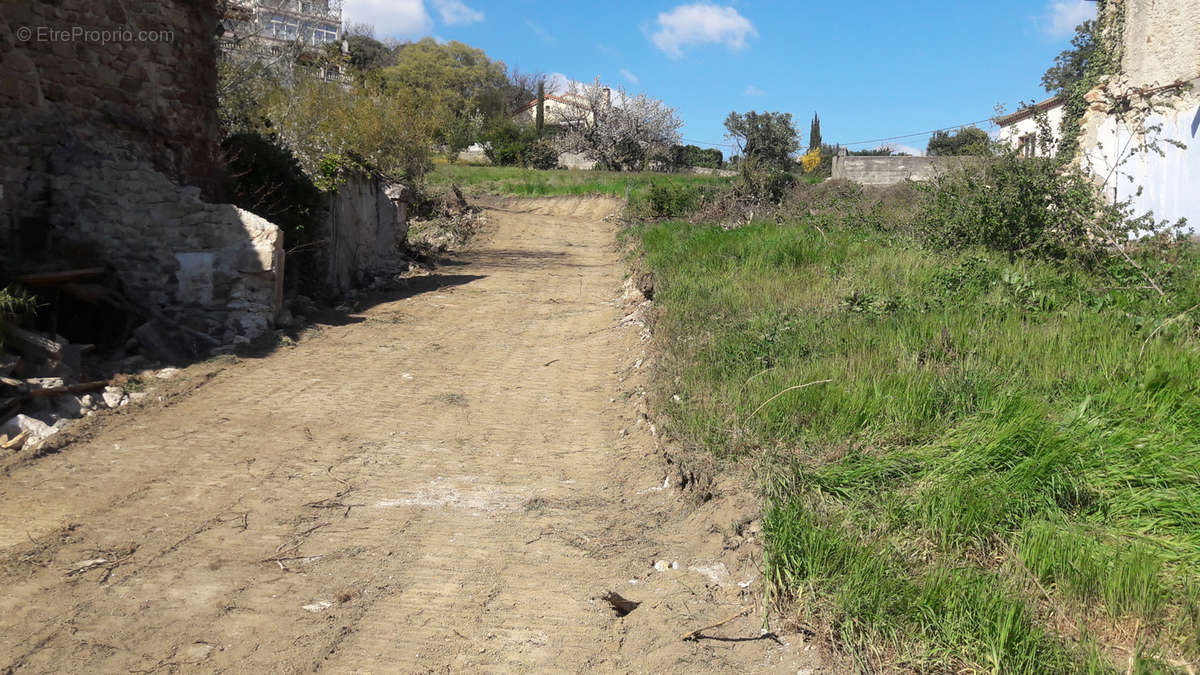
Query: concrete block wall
x,y
892,170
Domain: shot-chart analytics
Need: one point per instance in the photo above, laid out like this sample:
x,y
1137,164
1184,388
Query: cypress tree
x,y
814,134
541,108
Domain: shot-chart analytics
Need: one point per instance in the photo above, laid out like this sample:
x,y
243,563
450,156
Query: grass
x,y
1003,471
508,180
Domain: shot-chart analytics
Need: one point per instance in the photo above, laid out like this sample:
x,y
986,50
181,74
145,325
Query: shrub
x,y
266,178
506,142
13,304
390,131
811,161
1022,205
666,199
762,182
541,154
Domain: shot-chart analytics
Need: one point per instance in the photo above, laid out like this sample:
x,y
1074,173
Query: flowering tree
x,y
615,129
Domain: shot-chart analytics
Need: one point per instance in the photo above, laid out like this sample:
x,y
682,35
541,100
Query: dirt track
x,y
439,483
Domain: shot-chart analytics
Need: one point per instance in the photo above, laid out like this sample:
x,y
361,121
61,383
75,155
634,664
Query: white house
x,y
1020,130
558,109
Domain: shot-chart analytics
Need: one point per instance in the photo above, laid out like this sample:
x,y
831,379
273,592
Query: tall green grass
x,y
1003,469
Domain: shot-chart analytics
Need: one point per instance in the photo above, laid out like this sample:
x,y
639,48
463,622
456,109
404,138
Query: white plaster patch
x,y
462,492
195,277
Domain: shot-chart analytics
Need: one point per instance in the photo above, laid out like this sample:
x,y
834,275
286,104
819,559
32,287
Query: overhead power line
x,y
873,140
920,133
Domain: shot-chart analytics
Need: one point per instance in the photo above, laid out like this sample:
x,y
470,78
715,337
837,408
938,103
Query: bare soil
x,y
449,481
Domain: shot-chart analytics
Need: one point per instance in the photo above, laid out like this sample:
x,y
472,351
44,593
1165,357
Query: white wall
x,y
1170,183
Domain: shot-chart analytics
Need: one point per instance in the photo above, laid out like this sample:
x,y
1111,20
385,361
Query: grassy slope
x,y
534,183
986,422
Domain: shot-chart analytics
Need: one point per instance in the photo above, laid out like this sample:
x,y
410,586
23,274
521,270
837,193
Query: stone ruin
x,y
110,159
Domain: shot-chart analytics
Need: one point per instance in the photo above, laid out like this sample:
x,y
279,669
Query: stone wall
x,y
891,170
108,109
1161,41
1160,47
364,226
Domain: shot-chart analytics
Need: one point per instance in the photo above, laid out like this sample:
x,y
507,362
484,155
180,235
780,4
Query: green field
x,y
968,460
507,180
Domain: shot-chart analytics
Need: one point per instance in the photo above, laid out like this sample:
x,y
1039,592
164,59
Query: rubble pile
x,y
47,380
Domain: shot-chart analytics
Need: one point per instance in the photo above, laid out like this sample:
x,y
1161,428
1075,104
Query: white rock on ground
x,y
112,396
37,429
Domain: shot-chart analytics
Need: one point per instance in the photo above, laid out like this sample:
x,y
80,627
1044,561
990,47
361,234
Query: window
x,y
1027,146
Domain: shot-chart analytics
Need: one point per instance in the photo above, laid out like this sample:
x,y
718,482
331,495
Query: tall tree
x,y
463,77
814,133
1069,66
616,129
541,107
768,137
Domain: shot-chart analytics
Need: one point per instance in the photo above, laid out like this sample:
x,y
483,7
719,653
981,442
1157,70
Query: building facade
x,y
312,23
1034,131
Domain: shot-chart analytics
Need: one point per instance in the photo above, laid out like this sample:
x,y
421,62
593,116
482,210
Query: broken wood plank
x,y
16,442
61,277
69,389
28,341
18,386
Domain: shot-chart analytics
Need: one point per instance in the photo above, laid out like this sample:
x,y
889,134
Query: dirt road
x,y
447,481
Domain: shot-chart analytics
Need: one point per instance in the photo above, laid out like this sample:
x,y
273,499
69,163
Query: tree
x,y
965,141
390,130
814,133
709,158
463,77
540,121
769,137
1069,66
368,54
620,131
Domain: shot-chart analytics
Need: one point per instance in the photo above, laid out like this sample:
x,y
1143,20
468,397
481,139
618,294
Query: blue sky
x,y
871,69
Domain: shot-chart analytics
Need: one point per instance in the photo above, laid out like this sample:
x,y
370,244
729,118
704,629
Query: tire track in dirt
x,y
438,484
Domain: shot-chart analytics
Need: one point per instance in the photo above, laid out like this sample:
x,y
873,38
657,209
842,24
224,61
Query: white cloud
x,y
752,90
629,76
1062,16
557,83
403,19
907,149
699,24
455,12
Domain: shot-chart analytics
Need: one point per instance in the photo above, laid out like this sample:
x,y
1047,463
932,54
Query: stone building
x,y
109,157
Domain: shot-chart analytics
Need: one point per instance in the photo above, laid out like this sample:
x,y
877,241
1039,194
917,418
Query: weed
x,y
981,401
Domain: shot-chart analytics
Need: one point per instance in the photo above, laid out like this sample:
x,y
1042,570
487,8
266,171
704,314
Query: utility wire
x,y
874,140
922,133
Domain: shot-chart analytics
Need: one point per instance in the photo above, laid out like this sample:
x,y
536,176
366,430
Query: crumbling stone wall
x,y
1161,41
1158,42
364,226
109,155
